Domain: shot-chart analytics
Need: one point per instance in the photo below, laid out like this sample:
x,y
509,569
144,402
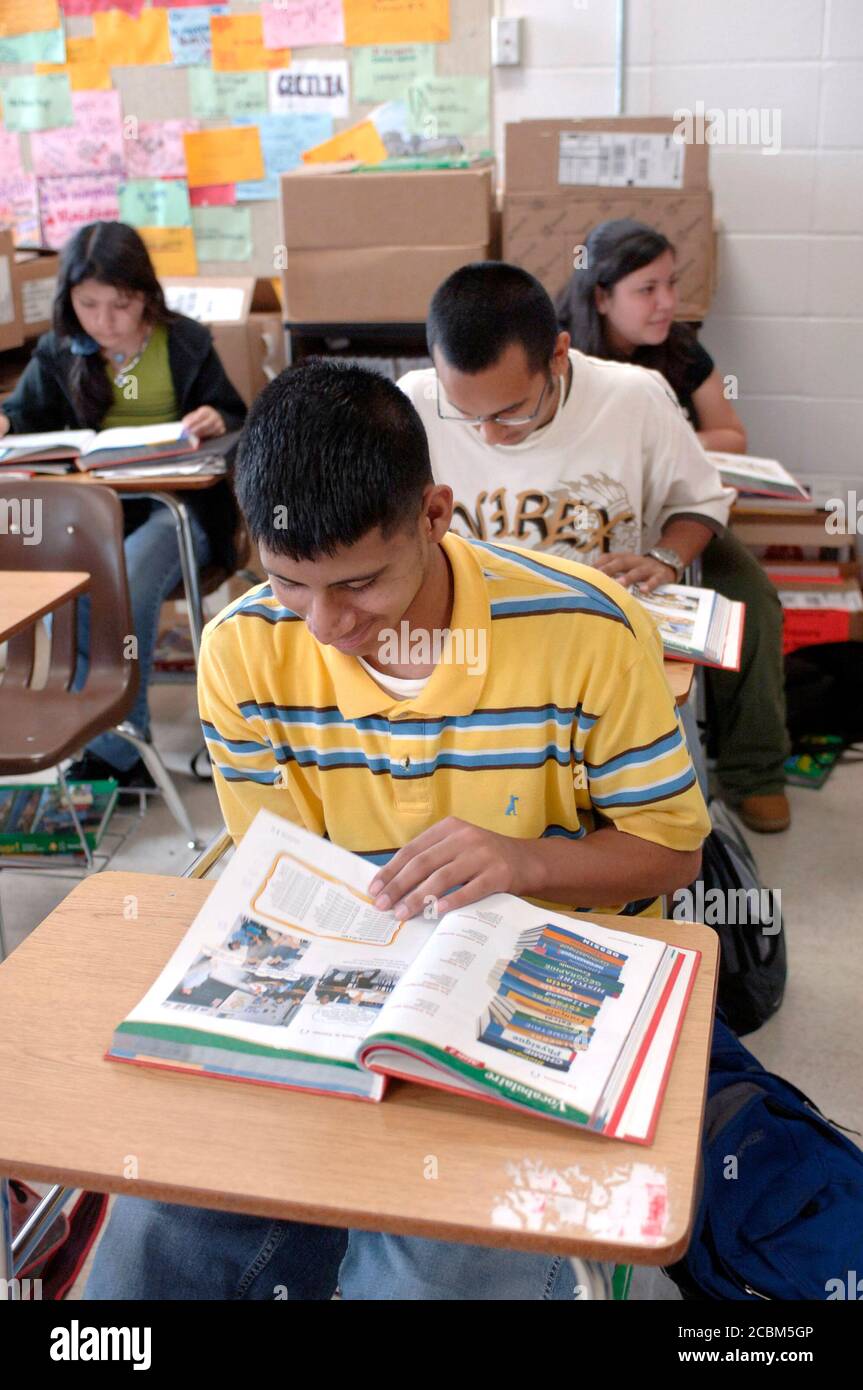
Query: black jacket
x,y
42,401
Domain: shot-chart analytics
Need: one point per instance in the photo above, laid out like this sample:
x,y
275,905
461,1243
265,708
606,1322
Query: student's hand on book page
x,y
451,855
205,422
5,424
636,569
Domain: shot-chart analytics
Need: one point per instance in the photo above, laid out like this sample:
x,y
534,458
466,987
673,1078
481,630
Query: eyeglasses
x,y
510,420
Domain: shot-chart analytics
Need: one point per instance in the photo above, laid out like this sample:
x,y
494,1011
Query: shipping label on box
x,y
208,303
620,160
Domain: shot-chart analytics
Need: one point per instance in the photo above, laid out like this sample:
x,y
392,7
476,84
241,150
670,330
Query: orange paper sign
x,y
237,42
223,156
28,16
83,77
396,21
360,142
172,249
127,42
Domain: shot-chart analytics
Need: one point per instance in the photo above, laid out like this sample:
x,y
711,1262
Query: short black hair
x,y
329,452
483,307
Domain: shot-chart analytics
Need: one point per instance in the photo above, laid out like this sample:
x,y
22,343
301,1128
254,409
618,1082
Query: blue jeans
x,y
153,568
154,1250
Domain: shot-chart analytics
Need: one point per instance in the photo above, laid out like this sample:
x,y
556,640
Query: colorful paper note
x,y
10,153
25,16
302,23
172,249
83,77
155,150
283,140
214,195
37,103
223,156
86,7
385,71
238,45
67,204
43,46
19,207
442,106
127,41
361,142
189,32
155,203
94,144
223,234
396,21
214,95
312,85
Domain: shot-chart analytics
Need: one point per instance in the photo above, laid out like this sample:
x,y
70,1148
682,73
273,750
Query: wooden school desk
x,y
421,1163
27,595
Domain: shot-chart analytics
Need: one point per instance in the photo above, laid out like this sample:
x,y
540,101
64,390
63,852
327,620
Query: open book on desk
x,y
757,477
696,624
289,976
89,449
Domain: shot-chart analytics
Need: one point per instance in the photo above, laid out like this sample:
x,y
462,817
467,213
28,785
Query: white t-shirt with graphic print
x,y
615,463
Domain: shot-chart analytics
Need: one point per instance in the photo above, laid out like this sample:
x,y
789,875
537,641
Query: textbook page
x,y
288,952
528,1003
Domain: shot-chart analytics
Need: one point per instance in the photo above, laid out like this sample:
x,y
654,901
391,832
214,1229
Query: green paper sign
x,y
223,234
37,103
42,46
216,94
441,106
382,72
155,203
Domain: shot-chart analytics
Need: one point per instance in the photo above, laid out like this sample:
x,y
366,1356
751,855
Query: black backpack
x,y
728,896
824,692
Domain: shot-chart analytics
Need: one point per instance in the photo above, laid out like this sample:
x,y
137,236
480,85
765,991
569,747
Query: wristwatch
x,y
666,556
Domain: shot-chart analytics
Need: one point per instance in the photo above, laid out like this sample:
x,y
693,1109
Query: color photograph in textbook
x,y
289,976
696,624
758,477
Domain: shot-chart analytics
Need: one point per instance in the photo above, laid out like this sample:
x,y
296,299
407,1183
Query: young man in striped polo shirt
x,y
472,718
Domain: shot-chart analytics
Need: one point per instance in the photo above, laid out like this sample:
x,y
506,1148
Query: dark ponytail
x,y
613,250
115,255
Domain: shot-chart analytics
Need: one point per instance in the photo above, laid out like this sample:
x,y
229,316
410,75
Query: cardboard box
x,y
330,206
550,156
245,317
813,613
371,284
373,247
11,323
541,231
36,273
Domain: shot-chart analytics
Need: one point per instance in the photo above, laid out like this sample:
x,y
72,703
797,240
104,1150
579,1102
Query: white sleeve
x,y
679,479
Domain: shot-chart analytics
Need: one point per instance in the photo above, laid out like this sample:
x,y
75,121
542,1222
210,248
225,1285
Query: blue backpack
x,y
780,1214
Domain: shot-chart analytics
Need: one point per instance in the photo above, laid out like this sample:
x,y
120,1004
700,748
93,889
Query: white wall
x,y
788,317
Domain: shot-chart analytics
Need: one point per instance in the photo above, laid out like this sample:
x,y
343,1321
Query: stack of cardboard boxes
x,y
563,177
244,315
27,283
366,247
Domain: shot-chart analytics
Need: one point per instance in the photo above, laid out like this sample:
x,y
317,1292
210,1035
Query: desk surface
x,y
152,484
679,675
26,595
422,1162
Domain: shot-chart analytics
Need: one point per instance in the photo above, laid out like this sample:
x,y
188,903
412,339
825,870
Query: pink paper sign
x,y
70,203
302,23
10,152
84,7
19,208
213,195
93,144
155,150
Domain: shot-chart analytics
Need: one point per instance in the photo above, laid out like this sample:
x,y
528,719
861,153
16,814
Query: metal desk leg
x,y
7,1290
188,563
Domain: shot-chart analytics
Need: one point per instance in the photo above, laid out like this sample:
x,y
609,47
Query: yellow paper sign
x,y
223,156
172,249
128,42
396,21
28,16
83,77
361,142
237,42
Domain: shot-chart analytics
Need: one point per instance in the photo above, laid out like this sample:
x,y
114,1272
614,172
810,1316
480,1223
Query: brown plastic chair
x,y
81,529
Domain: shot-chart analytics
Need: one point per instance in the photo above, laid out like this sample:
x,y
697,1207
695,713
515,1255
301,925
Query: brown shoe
x,y
766,814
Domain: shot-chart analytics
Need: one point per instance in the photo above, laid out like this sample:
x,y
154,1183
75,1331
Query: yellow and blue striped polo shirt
x,y
571,724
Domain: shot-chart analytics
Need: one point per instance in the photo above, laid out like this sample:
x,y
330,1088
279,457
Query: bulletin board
x,y
209,68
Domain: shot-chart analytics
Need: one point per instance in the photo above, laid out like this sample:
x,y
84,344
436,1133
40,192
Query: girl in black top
x,y
118,355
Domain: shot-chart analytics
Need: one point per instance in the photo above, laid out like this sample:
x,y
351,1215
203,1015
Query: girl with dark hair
x,y
621,306
118,356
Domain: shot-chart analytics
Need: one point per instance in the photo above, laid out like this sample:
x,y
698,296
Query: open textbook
x,y
289,976
757,477
696,624
89,449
